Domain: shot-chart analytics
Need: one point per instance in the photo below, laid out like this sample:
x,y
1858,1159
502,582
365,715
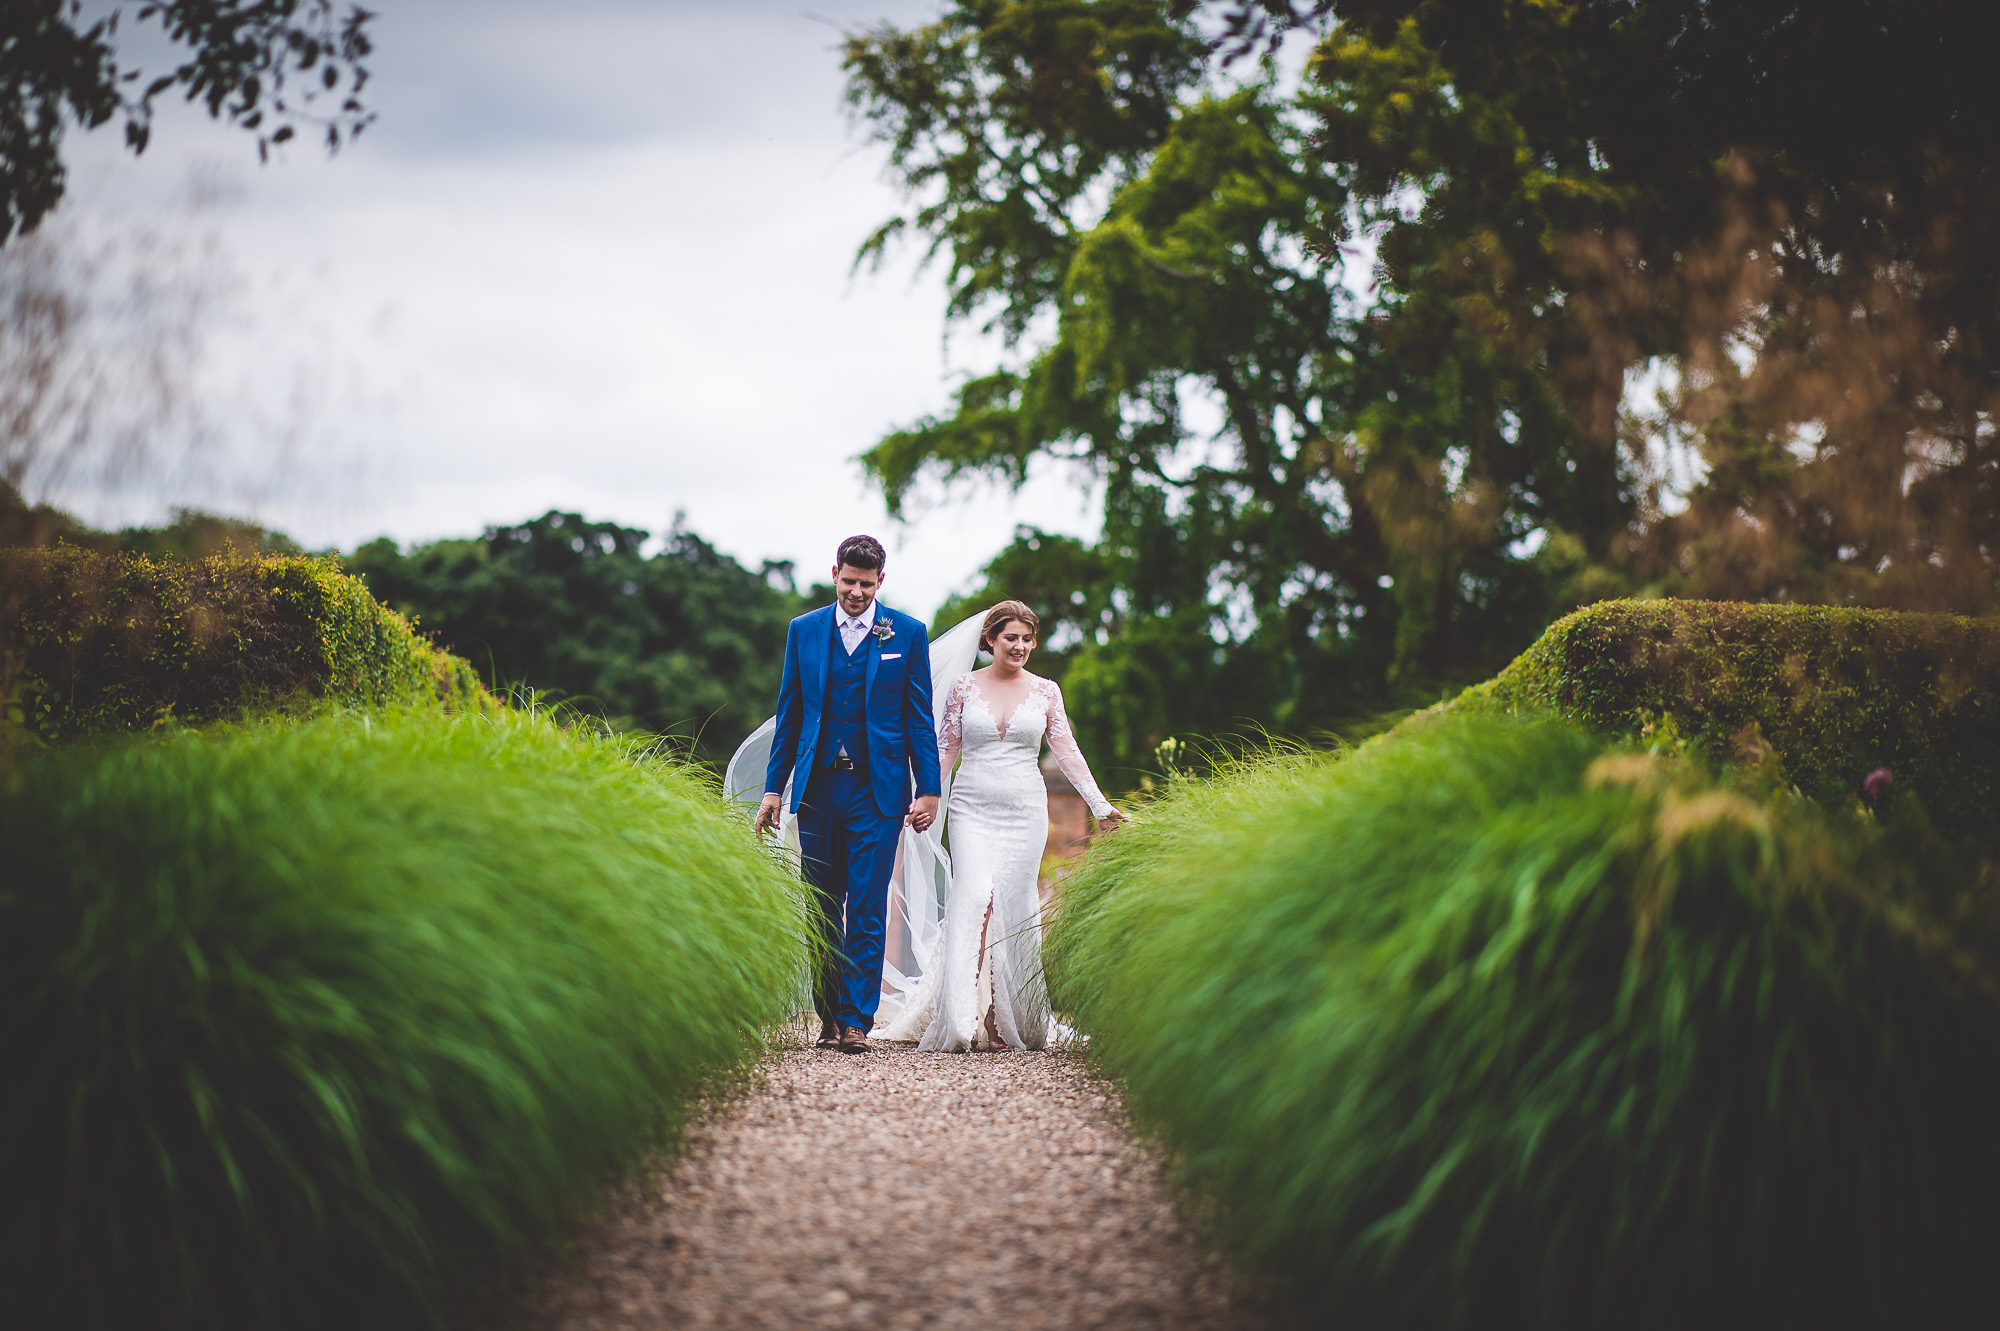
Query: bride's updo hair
x,y
1003,614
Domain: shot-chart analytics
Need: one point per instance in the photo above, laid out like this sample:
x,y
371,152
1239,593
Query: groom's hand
x,y
923,811
767,813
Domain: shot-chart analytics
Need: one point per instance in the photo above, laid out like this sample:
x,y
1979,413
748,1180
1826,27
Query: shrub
x,y
319,1025
1480,1028
1836,693
92,643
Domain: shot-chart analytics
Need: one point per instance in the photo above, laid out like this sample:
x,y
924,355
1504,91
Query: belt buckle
x,y
842,764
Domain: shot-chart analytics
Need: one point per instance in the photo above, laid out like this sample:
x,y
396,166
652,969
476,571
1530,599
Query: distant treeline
x,y
681,639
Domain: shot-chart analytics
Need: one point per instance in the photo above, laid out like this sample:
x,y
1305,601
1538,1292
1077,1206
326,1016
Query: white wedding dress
x,y
989,958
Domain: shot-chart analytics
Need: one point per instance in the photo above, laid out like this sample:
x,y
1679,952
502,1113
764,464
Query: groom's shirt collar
x,y
850,638
867,617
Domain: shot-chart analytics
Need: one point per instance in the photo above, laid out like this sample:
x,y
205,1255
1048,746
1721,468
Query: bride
x,y
984,990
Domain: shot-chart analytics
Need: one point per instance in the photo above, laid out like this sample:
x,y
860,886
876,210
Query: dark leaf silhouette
x,y
241,56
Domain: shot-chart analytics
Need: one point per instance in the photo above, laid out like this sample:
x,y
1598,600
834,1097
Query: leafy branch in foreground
x,y
266,66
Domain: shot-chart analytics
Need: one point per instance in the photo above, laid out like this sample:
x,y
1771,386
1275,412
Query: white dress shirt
x,y
853,628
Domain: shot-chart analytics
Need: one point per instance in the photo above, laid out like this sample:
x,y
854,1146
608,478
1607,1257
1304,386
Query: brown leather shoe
x,y
829,1034
853,1040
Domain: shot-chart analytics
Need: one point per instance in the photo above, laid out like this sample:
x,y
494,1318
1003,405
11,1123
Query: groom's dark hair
x,y
861,552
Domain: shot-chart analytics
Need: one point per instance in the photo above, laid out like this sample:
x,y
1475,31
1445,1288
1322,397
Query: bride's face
x,y
1012,645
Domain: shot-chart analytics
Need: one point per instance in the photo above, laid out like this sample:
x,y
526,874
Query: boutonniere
x,y
883,630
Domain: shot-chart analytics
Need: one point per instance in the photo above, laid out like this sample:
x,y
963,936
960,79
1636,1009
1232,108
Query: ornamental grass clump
x,y
1485,1027
328,1025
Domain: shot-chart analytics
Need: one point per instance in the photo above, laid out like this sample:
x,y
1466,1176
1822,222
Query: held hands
x,y
923,812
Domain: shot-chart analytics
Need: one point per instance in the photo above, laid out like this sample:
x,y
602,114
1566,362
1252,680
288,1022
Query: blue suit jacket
x,y
902,739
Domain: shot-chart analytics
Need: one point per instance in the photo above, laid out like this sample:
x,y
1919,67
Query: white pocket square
x,y
892,656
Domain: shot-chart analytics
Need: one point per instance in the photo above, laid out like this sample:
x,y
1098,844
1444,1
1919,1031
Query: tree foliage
x,y
683,641
1347,492
267,66
1790,209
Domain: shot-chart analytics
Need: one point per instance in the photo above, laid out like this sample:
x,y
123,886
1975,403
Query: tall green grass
x,y
1479,1027
328,1025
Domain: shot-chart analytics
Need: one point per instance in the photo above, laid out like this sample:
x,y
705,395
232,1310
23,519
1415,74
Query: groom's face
x,y
856,587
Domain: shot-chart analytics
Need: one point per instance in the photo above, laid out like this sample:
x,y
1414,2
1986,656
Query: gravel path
x,y
903,1190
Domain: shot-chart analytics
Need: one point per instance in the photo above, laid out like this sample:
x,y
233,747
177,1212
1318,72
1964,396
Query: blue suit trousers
x,y
849,850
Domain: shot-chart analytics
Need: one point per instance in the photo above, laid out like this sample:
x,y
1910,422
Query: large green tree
x,y
266,66
680,640
1322,495
1300,519
1790,212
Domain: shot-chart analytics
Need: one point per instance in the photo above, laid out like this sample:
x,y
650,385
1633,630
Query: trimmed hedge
x,y
1480,1027
93,643
1834,692
325,1025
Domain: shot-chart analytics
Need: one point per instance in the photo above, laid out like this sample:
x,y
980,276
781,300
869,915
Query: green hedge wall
x,y
329,1024
91,643
1834,693
1484,1027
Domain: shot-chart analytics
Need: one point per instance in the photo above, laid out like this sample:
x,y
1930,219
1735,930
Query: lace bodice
x,y
1010,747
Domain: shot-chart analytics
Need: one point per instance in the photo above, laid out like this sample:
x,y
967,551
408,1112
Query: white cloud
x,y
590,258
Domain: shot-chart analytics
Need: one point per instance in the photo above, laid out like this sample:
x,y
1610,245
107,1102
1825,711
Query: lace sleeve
x,y
951,726
1062,743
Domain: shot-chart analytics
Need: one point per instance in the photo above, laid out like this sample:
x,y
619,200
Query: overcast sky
x,y
593,256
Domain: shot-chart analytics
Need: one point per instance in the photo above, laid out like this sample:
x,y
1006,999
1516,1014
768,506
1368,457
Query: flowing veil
x,y
922,878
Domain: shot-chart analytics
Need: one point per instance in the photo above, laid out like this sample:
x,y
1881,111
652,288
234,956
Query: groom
x,y
855,735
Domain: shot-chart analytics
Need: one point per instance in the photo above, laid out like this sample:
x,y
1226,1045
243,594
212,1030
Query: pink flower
x,y
1878,783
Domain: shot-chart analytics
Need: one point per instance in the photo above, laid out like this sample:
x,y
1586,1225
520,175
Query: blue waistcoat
x,y
845,719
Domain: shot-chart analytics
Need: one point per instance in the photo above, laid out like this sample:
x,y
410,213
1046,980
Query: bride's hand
x,y
1113,819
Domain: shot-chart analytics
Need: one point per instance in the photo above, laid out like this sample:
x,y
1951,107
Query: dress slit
x,y
984,989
